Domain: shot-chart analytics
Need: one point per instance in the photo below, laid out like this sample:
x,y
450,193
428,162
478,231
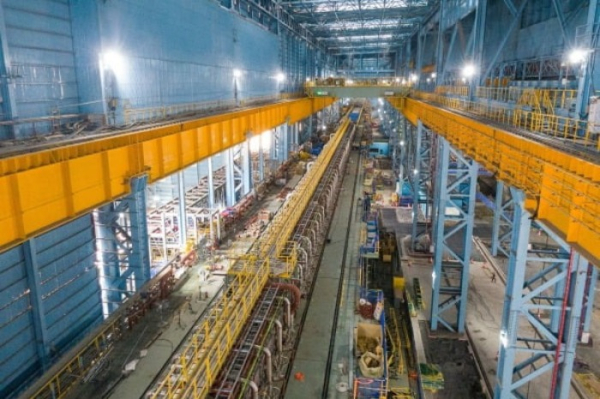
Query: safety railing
x,y
348,82
194,369
574,130
150,114
558,97
280,230
452,90
81,364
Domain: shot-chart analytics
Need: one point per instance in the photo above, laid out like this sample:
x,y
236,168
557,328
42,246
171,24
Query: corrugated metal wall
x,y
63,262
39,47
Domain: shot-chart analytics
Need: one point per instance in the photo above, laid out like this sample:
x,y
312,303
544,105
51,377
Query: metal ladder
x,y
241,353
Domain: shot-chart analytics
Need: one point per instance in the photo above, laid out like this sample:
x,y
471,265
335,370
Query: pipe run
x,y
267,352
279,336
252,385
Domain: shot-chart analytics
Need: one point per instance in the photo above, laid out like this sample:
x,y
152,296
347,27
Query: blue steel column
x,y
261,159
421,177
246,163
457,186
139,259
559,287
182,214
512,297
229,178
37,306
591,293
211,184
587,67
502,226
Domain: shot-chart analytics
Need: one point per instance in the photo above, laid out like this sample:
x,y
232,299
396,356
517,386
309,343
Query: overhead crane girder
x,y
43,189
562,189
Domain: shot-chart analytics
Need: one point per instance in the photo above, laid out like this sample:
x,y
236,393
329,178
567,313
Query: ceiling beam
x,y
403,14
360,32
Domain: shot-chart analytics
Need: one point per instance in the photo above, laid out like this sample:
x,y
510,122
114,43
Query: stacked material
x,y
432,378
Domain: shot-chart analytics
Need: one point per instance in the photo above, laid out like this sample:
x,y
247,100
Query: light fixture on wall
x,y
469,70
237,73
280,77
578,56
113,60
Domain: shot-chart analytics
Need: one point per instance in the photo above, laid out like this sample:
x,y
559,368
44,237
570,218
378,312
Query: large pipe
x,y
253,386
267,352
279,336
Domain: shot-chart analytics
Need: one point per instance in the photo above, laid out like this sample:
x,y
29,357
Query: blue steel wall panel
x,y
70,290
70,299
41,58
530,41
17,338
172,52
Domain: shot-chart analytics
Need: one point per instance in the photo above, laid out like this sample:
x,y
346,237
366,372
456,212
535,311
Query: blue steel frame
x,y
502,227
552,349
421,178
37,305
122,249
456,184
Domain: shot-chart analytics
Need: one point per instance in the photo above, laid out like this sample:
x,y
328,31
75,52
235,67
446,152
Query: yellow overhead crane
x,y
562,189
43,189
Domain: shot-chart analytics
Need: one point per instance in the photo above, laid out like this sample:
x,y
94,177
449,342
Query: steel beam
x,y
456,184
42,189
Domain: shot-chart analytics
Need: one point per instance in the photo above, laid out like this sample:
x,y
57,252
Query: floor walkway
x,y
313,349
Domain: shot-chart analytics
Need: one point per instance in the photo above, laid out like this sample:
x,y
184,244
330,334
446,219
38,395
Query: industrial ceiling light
x,y
402,143
577,56
469,71
113,60
433,75
280,77
237,73
397,80
413,77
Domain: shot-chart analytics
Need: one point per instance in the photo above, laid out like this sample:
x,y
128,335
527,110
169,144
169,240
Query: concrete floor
x,y
165,327
313,349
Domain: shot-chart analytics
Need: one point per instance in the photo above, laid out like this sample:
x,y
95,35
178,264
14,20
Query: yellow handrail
x,y
575,130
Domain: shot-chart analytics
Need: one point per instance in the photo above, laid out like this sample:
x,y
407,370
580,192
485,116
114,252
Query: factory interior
x,y
299,199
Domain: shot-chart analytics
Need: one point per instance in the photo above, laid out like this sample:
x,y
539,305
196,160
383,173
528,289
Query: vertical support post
x,y
261,159
182,214
211,184
229,178
457,186
139,259
497,213
37,306
591,293
502,225
557,287
583,92
415,176
285,142
512,298
246,168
